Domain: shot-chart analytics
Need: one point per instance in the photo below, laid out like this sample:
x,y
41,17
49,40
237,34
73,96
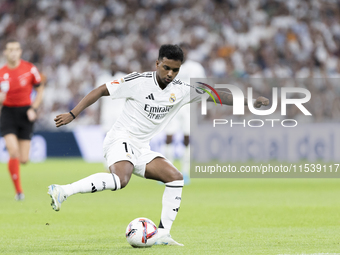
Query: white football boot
x,y
164,238
58,196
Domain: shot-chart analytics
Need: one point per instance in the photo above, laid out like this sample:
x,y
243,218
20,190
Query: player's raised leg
x,y
161,169
118,178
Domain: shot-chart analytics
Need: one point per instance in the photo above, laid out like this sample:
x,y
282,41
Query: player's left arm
x,y
89,99
227,99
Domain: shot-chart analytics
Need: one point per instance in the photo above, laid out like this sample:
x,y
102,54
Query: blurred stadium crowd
x,y
74,42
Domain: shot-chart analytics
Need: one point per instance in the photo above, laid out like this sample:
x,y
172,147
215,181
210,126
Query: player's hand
x,y
63,119
31,115
261,101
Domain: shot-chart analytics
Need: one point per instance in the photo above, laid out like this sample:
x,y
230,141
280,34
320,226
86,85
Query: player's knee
x,y
123,170
124,181
176,176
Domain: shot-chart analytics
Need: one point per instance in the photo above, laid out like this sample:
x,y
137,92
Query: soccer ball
x,y
141,232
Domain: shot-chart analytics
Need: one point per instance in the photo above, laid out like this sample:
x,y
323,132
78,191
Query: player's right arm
x,y
227,99
89,99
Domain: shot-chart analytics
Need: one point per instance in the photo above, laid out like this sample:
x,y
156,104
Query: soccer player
x,y
189,69
18,113
152,99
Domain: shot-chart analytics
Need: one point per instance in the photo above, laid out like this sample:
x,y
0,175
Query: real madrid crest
x,y
172,98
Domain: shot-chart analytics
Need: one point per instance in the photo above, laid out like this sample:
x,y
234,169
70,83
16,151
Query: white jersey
x,y
148,108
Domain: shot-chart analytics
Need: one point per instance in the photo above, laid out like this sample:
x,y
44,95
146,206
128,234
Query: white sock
x,y
172,197
185,161
169,152
93,183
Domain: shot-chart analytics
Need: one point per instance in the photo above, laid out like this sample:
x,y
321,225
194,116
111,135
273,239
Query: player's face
x,y
167,69
13,52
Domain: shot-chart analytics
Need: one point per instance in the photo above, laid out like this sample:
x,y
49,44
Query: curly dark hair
x,y
170,51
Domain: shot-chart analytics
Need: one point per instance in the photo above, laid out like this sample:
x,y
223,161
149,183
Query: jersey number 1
x,y
126,147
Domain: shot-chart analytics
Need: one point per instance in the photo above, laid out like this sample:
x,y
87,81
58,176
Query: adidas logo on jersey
x,y
150,97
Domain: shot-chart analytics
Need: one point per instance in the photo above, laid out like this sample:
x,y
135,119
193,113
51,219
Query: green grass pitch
x,y
217,216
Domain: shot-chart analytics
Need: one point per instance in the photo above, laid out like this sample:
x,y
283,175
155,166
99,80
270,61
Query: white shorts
x,y
119,149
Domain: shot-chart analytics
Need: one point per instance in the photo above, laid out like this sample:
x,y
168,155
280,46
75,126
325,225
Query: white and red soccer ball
x,y
141,232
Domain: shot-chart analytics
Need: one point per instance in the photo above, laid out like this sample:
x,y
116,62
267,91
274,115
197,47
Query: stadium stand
x,y
73,42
